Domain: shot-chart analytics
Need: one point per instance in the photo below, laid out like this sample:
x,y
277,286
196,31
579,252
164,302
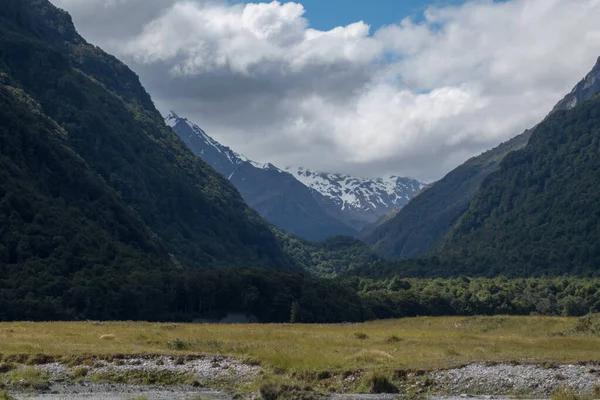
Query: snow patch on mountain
x,y
359,193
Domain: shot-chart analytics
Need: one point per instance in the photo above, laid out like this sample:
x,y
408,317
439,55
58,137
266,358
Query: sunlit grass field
x,y
412,343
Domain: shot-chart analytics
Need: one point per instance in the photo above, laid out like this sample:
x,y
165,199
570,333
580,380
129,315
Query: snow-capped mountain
x,y
370,198
309,204
220,157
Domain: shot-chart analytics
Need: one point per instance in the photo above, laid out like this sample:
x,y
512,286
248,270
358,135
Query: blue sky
x,y
327,14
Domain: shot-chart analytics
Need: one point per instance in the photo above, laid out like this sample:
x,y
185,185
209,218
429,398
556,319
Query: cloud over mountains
x,y
415,98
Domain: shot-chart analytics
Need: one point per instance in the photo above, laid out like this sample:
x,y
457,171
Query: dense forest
x,y
112,124
336,256
396,297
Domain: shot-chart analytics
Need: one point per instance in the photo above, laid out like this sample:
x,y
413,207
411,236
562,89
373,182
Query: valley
x,y
414,357
141,258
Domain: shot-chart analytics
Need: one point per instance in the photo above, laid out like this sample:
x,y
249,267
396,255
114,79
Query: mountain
x,y
372,227
538,214
106,215
111,125
56,213
274,194
312,205
358,201
420,225
583,91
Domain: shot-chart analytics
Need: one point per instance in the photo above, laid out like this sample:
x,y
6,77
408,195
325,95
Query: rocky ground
x,y
522,379
100,391
202,369
162,377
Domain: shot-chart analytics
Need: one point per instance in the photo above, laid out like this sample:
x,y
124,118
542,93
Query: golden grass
x,y
412,343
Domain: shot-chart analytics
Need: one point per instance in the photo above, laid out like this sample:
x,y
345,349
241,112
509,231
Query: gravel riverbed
x,y
521,379
476,381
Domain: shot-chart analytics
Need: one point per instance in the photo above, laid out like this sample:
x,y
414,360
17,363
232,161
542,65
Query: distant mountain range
x,y
312,205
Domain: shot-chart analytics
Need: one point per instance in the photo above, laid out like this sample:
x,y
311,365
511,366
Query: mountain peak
x,y
220,157
587,88
172,119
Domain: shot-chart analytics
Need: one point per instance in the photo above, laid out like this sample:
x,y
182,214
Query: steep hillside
x,y
424,221
111,123
540,213
275,194
61,225
583,91
420,224
372,227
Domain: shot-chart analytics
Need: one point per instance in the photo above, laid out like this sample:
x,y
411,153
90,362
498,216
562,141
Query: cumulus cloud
x,y
415,98
247,38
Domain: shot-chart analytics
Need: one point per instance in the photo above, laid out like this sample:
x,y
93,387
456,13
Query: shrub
x,y
6,367
270,391
393,339
377,383
78,373
39,359
178,344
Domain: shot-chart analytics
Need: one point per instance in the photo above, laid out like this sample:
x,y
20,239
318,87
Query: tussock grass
x,y
5,396
569,394
150,377
412,343
26,377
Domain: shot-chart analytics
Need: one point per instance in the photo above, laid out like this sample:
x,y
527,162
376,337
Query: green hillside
x,y
336,256
540,214
112,124
419,225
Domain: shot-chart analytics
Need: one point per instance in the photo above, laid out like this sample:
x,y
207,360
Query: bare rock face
x,y
583,91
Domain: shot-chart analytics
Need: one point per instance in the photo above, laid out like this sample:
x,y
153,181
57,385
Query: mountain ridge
x,y
419,226
339,205
357,200
539,213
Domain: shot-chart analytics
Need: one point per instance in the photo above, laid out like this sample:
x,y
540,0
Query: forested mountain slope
x,y
111,122
59,221
422,223
540,213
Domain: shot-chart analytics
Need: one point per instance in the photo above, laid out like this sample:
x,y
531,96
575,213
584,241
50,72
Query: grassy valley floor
x,y
436,356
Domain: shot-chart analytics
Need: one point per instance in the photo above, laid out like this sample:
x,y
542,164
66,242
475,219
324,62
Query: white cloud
x,y
244,37
416,98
